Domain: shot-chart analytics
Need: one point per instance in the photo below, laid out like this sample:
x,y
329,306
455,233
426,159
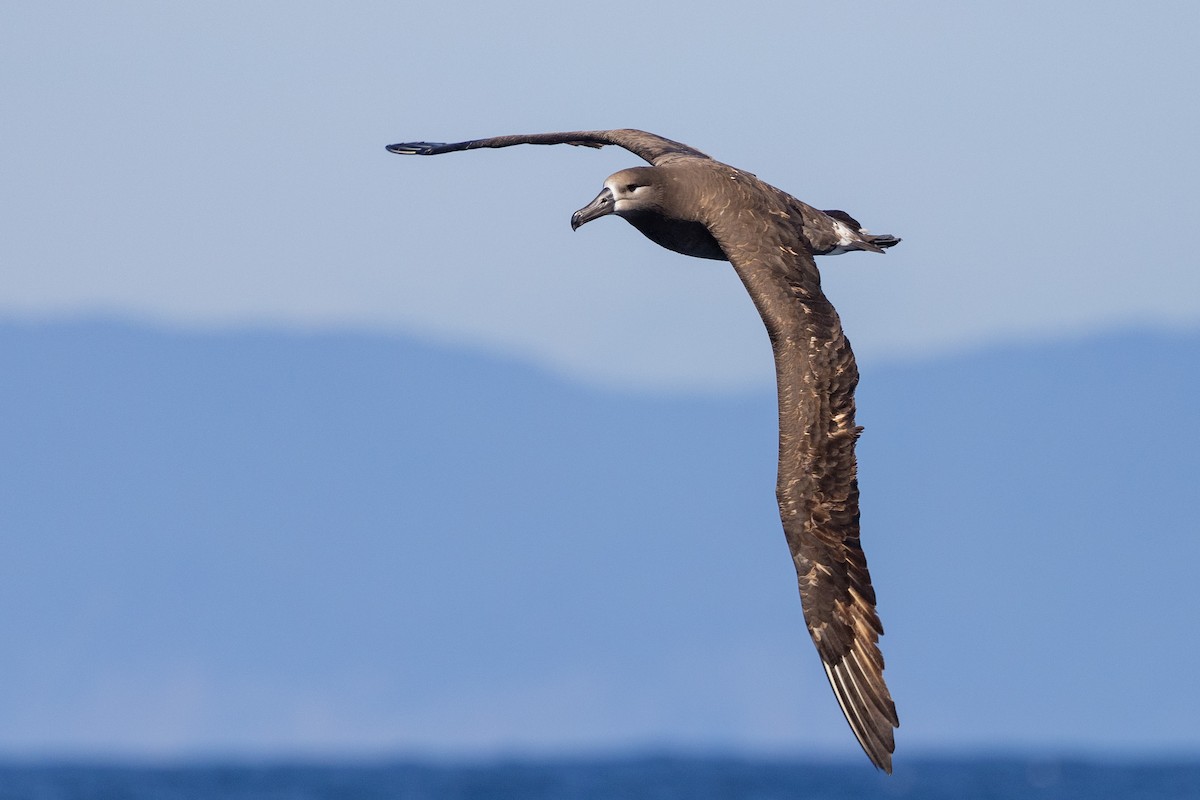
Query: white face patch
x,y
625,199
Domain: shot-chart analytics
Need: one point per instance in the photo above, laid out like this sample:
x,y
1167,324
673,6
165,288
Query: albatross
x,y
690,203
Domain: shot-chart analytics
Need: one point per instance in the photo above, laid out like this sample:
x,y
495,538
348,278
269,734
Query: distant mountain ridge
x,y
278,542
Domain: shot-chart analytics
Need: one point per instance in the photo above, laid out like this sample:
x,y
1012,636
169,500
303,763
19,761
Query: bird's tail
x,y
874,241
881,240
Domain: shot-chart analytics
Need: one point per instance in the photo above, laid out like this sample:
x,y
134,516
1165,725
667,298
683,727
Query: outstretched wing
x,y
655,149
818,484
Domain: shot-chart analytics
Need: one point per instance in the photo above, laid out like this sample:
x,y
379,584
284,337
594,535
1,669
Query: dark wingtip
x,y
414,148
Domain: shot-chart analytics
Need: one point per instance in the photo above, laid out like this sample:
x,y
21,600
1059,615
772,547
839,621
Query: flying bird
x,y
688,202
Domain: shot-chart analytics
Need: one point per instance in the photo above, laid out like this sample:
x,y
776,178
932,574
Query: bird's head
x,y
625,193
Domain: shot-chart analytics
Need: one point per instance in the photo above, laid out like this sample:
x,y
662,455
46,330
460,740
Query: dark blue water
x,y
616,779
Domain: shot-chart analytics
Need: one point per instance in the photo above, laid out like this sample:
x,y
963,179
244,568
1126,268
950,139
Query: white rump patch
x,y
847,237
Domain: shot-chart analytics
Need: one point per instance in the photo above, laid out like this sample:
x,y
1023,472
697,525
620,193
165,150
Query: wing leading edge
x,y
655,149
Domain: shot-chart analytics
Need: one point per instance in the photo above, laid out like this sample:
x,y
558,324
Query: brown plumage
x,y
693,204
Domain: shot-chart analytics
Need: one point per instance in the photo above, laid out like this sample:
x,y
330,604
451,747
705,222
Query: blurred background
x,y
310,449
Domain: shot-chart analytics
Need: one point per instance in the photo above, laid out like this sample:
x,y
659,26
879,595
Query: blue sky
x,y
220,169
223,165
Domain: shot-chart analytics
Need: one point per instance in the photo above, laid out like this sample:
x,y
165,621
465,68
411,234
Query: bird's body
x,y
698,192
692,204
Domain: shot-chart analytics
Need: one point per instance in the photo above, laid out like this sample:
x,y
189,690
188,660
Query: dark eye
x,y
631,187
